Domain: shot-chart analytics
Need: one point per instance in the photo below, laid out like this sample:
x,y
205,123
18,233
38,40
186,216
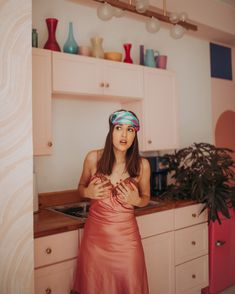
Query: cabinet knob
x,y
149,141
48,291
102,85
107,85
194,276
48,250
194,215
193,243
49,144
219,243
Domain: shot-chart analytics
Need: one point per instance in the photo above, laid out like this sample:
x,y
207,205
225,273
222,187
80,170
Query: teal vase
x,y
71,45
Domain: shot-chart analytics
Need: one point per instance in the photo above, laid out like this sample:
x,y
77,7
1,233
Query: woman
x,y
111,259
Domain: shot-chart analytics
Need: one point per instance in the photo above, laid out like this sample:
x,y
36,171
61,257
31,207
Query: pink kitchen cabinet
x,y
41,101
157,236
87,76
55,260
158,111
221,255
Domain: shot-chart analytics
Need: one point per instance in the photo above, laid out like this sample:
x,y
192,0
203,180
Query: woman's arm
x,y
144,183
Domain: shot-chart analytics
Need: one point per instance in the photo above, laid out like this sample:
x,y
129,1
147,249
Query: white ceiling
x,y
229,2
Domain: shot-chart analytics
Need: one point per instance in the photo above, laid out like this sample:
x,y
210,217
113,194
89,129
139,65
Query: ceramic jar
x,y
97,47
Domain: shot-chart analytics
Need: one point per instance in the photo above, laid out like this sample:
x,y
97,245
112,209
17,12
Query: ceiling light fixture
x,y
111,8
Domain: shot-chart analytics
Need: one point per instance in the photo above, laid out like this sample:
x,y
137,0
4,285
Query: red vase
x,y
51,43
127,48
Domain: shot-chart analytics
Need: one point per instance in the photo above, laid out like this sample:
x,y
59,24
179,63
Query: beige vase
x,y
96,47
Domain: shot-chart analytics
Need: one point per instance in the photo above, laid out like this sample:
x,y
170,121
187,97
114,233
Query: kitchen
x,y
195,101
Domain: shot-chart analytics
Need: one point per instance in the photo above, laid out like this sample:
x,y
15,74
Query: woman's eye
x,y
131,130
118,128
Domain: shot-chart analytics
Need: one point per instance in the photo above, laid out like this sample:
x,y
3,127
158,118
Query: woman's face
x,y
123,137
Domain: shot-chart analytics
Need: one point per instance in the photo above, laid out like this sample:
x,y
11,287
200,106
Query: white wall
x,y
16,160
188,57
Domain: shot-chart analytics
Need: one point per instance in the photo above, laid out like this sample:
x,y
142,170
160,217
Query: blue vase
x,y
71,45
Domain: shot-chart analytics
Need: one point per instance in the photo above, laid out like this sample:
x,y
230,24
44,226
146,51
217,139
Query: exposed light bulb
x,y
141,5
153,25
173,17
177,31
105,11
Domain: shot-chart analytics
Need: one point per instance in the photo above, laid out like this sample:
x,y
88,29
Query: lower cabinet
x,y
159,260
56,278
55,259
175,244
191,276
157,235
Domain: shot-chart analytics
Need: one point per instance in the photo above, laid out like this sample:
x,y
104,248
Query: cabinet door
x,y
192,276
49,249
73,74
191,242
41,101
122,80
159,260
160,110
58,278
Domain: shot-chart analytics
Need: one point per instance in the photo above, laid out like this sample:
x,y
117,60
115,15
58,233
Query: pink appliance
x,y
222,237
221,255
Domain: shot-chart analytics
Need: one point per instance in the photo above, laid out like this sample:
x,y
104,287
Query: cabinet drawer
x,y
55,279
55,248
191,243
192,276
189,215
155,223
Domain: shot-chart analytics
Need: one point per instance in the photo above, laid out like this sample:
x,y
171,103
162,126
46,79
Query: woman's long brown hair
x,y
107,160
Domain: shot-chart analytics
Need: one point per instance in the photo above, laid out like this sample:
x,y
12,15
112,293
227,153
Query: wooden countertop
x,y
47,222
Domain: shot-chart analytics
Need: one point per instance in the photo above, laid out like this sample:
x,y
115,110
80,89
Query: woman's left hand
x,y
129,193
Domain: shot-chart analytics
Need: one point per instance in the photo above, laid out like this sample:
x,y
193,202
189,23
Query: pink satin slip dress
x,y
111,257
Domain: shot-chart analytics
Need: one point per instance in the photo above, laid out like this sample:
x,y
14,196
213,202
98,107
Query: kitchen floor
x,y
230,290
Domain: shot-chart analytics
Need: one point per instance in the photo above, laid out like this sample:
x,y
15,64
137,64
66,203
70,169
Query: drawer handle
x,y
194,215
219,243
193,243
149,141
194,276
48,250
49,144
107,85
48,291
102,85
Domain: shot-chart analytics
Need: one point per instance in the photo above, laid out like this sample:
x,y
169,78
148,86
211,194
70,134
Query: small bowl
x,y
115,56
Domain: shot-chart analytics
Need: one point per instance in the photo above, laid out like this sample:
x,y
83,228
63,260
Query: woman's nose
x,y
124,133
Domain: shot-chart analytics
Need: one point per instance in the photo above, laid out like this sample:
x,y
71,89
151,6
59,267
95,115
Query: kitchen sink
x,y
80,210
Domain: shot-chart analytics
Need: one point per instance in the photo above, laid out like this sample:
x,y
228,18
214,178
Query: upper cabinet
x,y
149,92
158,111
41,101
80,75
160,115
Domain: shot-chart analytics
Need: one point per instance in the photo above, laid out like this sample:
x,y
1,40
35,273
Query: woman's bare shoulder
x,y
93,156
144,164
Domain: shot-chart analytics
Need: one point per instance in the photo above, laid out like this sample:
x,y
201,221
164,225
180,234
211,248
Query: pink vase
x,y
51,43
127,48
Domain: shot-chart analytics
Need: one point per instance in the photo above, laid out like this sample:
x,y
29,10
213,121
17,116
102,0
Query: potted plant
x,y
204,173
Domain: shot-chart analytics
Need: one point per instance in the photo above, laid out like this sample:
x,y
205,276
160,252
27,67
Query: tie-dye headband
x,y
125,117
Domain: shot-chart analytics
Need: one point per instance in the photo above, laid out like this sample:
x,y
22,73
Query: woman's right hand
x,y
98,189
